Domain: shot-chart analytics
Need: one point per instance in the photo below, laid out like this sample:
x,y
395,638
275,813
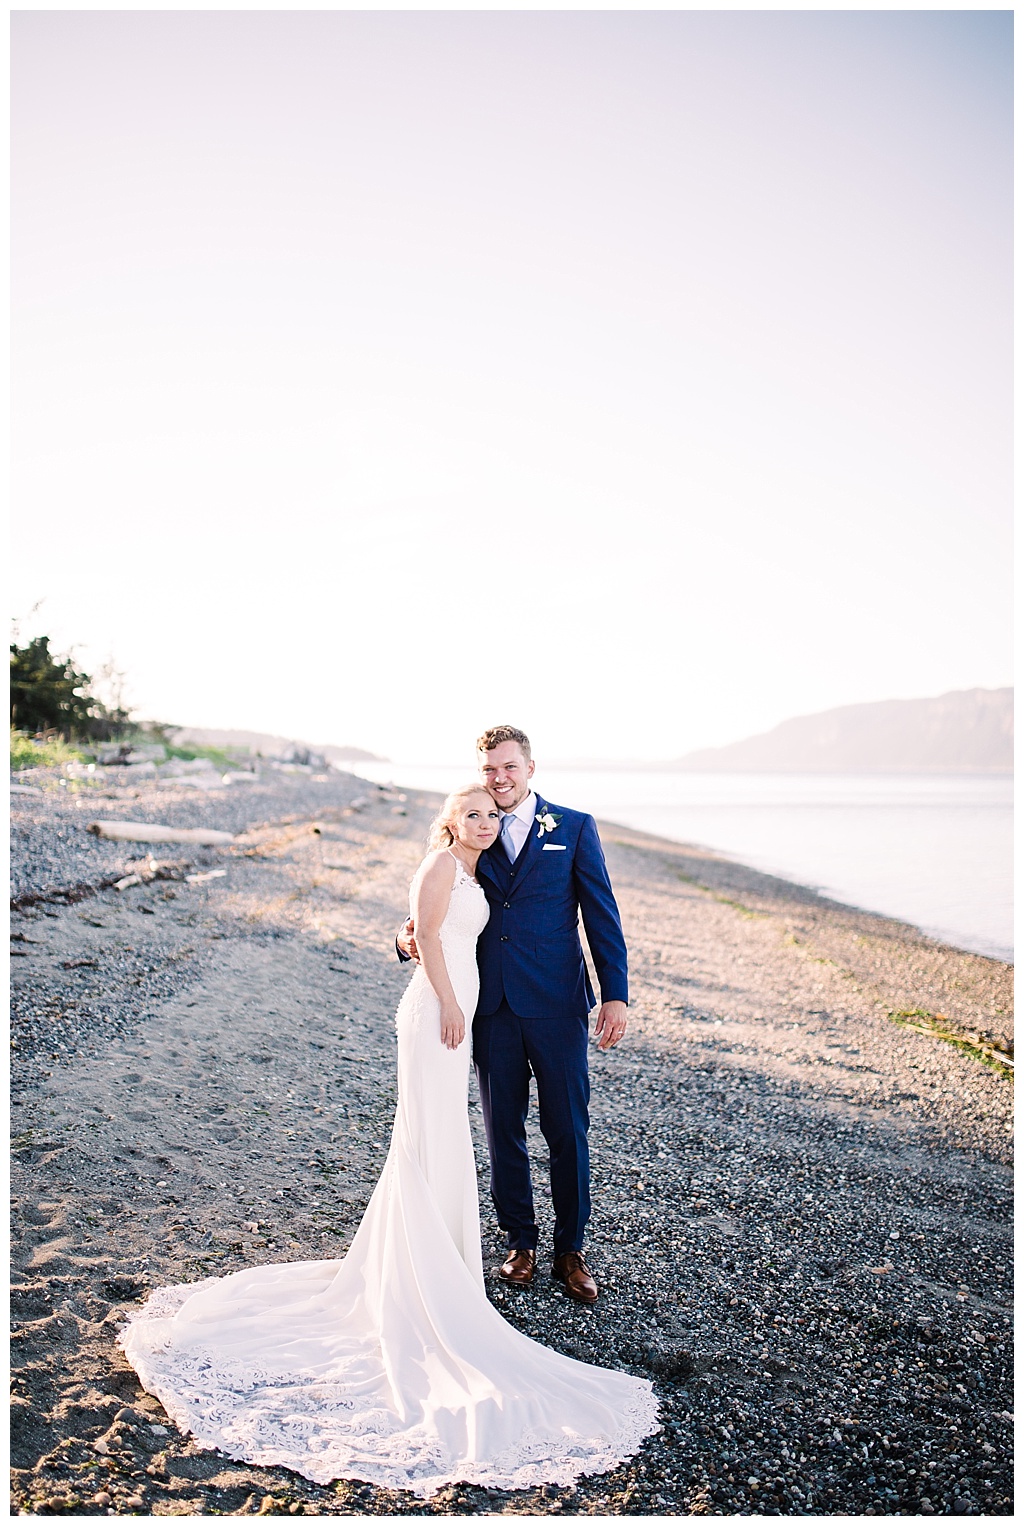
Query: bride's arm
x,y
431,893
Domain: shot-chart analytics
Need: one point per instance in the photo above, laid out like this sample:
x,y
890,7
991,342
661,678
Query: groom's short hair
x,y
495,735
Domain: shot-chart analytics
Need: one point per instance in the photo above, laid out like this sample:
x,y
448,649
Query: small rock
x,y
102,1498
122,1288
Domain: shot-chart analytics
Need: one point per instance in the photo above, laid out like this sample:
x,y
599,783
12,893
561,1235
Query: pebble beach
x,y
801,1155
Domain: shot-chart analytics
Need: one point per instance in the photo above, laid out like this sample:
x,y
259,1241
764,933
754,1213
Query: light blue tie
x,y
506,836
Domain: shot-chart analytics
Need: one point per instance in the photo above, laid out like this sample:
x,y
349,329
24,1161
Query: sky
x,y
638,378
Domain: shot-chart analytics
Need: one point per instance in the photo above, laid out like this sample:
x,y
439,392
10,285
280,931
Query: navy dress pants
x,y
506,1048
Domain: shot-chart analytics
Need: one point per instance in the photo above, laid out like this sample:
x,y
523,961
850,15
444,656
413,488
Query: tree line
x,y
51,698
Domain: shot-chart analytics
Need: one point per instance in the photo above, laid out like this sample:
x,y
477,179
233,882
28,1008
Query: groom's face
x,y
506,774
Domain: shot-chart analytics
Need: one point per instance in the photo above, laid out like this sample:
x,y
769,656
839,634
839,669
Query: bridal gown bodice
x,y
389,1364
433,1082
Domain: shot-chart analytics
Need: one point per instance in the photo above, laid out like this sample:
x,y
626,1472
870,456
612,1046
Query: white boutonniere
x,y
547,823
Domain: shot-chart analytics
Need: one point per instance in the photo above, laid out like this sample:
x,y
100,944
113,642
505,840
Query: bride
x,y
390,1365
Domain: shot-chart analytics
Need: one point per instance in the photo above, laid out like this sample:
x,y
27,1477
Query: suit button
x,y
503,938
507,905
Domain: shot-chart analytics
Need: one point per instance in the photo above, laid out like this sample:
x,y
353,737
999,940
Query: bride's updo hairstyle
x,y
441,834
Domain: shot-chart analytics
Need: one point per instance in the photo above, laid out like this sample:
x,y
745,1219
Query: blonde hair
x,y
441,834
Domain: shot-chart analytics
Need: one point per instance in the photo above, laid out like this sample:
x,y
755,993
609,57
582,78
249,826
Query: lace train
x,y
320,1429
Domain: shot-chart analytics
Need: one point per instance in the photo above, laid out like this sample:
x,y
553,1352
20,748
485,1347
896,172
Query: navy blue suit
x,y
535,997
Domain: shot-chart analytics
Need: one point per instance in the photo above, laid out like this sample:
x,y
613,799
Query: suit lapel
x,y
494,865
530,852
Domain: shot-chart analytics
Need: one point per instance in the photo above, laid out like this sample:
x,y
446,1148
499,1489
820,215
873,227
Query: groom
x,y
544,869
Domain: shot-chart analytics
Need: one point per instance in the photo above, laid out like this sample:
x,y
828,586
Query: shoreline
x,y
801,1199
842,926
832,834
801,889
609,829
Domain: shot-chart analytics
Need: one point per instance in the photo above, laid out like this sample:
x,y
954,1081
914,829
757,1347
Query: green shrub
x,y
27,753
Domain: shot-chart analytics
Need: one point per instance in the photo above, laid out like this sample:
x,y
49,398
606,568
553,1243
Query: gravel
x,y
56,864
51,855
802,1204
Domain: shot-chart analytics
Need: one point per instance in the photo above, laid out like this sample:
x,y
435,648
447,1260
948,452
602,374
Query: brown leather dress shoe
x,y
574,1274
519,1267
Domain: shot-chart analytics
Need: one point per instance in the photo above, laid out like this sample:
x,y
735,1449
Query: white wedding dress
x,y
390,1365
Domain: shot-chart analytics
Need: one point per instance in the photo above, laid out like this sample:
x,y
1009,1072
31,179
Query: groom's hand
x,y
611,1024
406,941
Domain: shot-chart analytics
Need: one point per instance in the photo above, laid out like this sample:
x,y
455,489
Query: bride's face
x,y
477,822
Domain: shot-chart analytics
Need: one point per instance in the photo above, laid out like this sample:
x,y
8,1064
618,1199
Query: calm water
x,y
934,851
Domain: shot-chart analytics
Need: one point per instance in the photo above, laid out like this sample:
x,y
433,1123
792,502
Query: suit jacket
x,y
530,953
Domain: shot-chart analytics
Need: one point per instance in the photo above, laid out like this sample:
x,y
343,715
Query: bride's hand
x,y
453,1027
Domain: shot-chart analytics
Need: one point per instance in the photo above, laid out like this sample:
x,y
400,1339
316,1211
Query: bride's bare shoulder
x,y
432,886
438,868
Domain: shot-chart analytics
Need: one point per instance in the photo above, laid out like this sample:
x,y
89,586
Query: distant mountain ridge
x,y
271,746
964,731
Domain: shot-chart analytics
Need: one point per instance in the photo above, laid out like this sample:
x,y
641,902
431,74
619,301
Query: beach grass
x,y
934,1024
216,755
26,752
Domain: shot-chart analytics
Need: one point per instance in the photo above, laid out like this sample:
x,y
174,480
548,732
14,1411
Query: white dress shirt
x,y
519,827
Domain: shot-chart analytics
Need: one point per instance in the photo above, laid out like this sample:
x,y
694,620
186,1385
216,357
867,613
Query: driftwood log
x,y
145,831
